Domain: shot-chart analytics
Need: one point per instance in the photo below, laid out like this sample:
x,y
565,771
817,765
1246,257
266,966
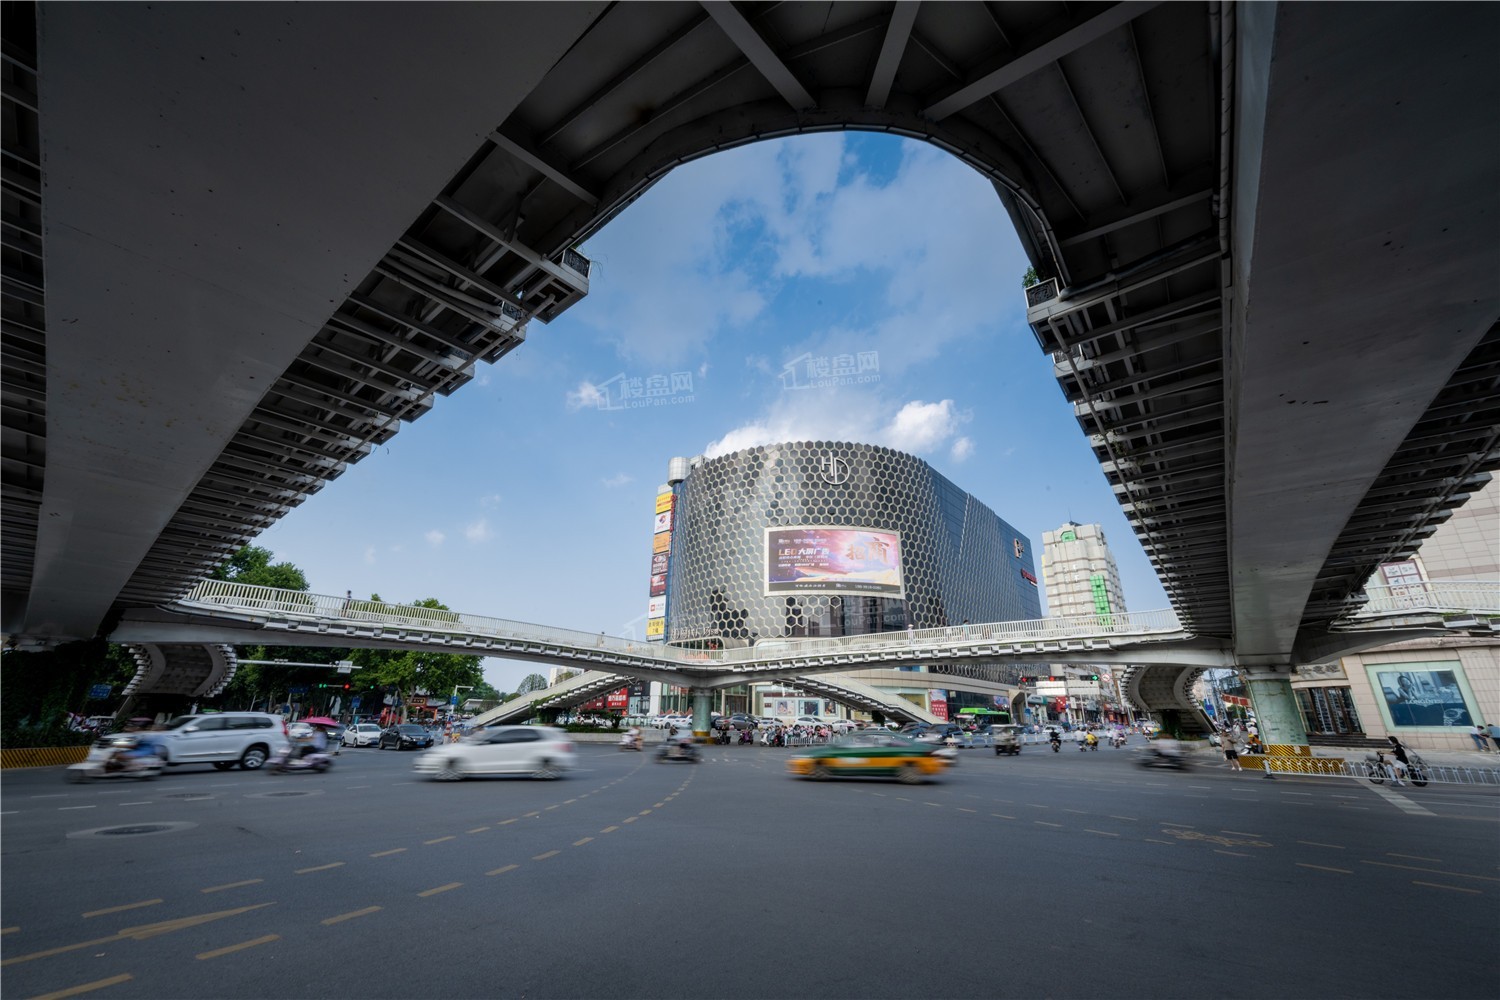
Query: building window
x,y
1329,711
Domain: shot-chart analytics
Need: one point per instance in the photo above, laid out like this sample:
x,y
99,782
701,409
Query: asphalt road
x,y
1043,875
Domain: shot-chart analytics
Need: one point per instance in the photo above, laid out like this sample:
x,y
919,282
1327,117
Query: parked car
x,y
1006,740
873,754
362,734
540,751
736,721
223,739
406,736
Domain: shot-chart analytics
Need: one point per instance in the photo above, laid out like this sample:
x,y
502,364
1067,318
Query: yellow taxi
x,y
873,754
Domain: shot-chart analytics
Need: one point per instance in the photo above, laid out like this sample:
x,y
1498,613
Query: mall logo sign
x,y
810,371
633,392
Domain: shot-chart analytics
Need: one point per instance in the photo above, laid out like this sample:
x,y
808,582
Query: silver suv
x,y
223,739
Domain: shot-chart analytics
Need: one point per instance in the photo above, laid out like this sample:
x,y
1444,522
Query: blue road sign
x,y
100,691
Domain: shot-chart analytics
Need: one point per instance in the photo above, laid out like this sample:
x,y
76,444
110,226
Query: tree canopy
x,y
252,565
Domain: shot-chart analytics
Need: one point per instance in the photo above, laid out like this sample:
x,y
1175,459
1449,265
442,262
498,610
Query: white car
x,y
366,734
540,751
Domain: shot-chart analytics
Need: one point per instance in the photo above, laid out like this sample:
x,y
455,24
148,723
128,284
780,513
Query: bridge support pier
x,y
1276,712
703,705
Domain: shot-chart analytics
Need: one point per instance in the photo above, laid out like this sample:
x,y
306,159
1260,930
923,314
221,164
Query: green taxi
x,y
876,754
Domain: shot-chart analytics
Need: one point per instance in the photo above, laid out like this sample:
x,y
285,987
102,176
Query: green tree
x,y
406,672
252,565
1030,278
531,682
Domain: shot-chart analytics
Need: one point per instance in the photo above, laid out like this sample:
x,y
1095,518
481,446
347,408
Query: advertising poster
x,y
659,564
663,522
656,628
663,502
656,607
937,703
661,543
831,560
658,584
1424,697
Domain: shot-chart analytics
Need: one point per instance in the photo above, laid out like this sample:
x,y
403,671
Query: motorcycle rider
x,y
1091,741
1402,764
1055,738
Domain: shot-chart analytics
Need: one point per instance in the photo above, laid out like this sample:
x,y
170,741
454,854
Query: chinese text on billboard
x,y
828,560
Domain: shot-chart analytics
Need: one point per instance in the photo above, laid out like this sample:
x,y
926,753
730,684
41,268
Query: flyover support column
x,y
1276,713
703,705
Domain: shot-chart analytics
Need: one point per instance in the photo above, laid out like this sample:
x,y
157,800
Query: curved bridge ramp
x,y
565,694
856,694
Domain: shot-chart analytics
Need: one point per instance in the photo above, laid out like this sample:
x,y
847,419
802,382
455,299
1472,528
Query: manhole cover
x,y
134,830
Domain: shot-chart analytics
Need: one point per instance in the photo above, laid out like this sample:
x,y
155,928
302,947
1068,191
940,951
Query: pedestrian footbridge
x,y
1162,653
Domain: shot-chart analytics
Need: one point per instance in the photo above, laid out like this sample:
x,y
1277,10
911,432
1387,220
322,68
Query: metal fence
x,y
1419,773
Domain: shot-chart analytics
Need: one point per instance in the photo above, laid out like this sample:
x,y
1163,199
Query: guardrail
x,y
1458,596
1421,772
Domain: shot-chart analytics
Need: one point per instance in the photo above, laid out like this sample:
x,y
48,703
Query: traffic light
x,y
346,687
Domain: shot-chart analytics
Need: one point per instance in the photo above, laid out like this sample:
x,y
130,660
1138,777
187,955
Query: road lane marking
x,y
609,829
66,808
349,916
1128,819
536,812
441,888
319,868
139,933
121,909
506,822
1296,793
1413,857
237,947
1100,832
98,984
1236,854
477,829
52,795
644,812
1434,871
1314,843
231,885
1453,888
502,870
964,809
660,804
1001,816
143,802
382,854
1042,822
580,843
439,840
1242,833
1153,840
551,807
1183,826
12,930
629,819
1035,806
545,856
1324,868
1078,811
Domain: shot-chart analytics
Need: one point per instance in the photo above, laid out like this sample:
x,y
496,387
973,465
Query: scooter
x,y
1057,745
629,741
677,750
287,760
1171,761
747,738
119,756
1117,740
1378,769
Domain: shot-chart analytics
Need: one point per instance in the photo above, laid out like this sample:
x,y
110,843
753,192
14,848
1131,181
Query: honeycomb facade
x,y
959,561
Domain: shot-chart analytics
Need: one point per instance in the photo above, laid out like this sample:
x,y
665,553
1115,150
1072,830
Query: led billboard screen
x,y
832,560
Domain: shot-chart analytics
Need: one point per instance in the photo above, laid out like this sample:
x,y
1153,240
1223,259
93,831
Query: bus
x,y
984,716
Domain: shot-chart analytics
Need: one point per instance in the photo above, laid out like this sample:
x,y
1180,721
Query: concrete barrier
x,y
42,756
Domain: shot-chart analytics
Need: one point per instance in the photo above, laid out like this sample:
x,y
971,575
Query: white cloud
x,y
369,555
479,531
587,394
490,501
435,537
962,449
616,481
915,426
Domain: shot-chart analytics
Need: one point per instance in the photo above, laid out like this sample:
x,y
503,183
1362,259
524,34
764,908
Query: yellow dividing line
x,y
544,857
1454,888
537,812
630,819
441,888
644,812
570,802
609,829
551,807
382,854
439,840
237,947
660,804
1323,868
112,909
502,871
506,822
477,829
319,868
12,930
232,885
349,916
580,843
141,933
97,984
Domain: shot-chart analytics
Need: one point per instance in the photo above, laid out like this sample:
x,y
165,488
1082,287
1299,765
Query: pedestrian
x,y
1230,753
1481,742
911,632
1495,735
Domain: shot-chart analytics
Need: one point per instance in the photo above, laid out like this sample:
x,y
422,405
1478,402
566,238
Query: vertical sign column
x,y
661,548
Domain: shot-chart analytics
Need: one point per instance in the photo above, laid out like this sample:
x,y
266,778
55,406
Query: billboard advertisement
x,y
658,584
663,521
656,607
661,543
833,560
656,628
663,502
937,702
659,564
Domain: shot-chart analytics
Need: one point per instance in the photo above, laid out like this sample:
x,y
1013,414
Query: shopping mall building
x,y
818,538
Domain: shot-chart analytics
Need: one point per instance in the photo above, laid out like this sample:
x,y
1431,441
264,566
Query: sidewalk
x,y
1437,758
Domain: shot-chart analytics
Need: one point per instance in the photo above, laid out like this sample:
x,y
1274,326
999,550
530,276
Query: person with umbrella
x,y
319,742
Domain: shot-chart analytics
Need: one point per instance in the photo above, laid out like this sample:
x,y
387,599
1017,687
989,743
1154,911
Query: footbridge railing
x,y
1460,603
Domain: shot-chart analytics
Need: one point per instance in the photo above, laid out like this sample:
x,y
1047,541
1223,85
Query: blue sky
x,y
528,494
